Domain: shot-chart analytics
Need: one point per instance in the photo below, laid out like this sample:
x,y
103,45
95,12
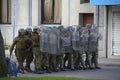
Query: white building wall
x,y
64,12
22,13
75,9
35,20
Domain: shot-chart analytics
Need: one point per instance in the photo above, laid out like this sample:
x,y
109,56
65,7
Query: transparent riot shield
x,y
76,39
60,37
57,33
84,39
66,42
44,43
52,42
93,39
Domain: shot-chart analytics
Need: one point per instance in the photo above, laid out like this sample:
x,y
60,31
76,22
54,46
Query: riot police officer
x,y
67,48
53,40
29,52
93,42
36,50
88,52
20,50
60,56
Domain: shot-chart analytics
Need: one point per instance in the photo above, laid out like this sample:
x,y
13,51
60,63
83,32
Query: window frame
x,y
42,15
9,12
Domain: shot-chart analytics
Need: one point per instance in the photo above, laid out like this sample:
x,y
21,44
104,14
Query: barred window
x,y
5,11
51,11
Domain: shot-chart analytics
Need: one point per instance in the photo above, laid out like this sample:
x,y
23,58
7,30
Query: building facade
x,y
17,14
109,18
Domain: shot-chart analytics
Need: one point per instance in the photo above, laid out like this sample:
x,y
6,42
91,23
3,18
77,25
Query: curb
x,y
110,65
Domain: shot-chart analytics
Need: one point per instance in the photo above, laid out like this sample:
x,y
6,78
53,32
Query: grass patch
x,y
44,78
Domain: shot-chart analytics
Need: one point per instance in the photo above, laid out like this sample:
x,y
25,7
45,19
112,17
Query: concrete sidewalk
x,y
109,62
110,69
102,61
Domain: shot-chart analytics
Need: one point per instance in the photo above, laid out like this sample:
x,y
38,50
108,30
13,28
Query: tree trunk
x,y
3,65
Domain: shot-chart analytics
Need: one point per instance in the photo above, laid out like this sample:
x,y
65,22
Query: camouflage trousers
x,y
20,55
45,60
60,61
29,58
52,61
69,57
75,58
81,59
88,62
37,57
94,59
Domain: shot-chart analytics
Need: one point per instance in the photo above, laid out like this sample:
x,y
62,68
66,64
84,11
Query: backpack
x,y
12,68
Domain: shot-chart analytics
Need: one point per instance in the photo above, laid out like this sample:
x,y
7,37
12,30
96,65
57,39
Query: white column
x,y
23,11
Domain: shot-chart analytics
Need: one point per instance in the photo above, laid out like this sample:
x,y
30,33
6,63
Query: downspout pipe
x,y
30,13
69,13
96,16
14,13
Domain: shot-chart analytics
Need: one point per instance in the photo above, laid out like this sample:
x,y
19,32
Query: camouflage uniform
x,y
60,56
94,58
88,53
20,50
68,48
29,51
53,44
36,50
78,53
45,61
44,47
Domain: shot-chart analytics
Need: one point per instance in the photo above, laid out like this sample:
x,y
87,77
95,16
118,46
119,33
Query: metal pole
x,y
14,16
68,12
30,13
39,11
97,16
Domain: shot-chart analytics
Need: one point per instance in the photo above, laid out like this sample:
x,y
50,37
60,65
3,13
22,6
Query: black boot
x,y
28,69
55,70
48,70
21,71
38,71
97,68
62,69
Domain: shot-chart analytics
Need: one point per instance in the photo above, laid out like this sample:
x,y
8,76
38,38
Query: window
x,y
84,1
51,11
5,11
86,18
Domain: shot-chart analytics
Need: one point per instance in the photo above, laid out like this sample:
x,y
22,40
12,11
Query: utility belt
x,y
20,49
35,45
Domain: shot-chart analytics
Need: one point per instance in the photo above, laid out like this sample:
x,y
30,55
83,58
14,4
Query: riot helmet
x,y
28,31
21,32
88,26
60,28
36,30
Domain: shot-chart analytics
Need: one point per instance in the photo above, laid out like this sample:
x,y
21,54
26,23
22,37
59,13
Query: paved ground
x,y
106,73
110,71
